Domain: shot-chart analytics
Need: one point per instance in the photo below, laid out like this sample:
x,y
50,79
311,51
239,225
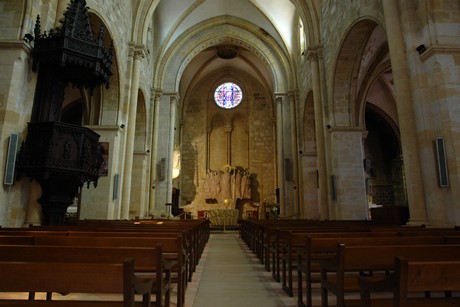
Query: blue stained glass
x,y
228,95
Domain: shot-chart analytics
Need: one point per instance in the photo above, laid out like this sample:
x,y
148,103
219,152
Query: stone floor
x,y
230,275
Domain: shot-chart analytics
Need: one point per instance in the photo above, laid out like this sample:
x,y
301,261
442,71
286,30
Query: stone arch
x,y
216,31
377,75
140,174
140,143
346,73
308,126
92,103
308,13
142,20
108,98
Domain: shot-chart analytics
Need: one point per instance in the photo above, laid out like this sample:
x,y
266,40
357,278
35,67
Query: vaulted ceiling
x,y
212,35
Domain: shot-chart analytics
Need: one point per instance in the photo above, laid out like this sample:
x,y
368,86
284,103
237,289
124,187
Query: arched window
x,y
302,38
228,95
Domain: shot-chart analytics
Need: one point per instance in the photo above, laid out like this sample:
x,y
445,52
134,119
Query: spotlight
x,y
28,37
421,49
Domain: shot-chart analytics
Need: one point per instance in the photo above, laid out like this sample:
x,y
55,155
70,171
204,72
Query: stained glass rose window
x,y
228,95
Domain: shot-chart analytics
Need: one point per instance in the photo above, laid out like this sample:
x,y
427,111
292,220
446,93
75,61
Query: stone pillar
x,y
33,208
169,164
153,152
295,153
349,189
164,151
280,151
313,57
406,119
137,52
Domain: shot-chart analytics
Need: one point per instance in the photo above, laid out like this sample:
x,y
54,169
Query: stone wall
x,y
257,112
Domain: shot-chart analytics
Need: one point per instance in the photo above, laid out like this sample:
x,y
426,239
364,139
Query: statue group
x,y
228,183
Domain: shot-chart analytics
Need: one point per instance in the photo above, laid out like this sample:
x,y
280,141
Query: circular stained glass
x,y
228,95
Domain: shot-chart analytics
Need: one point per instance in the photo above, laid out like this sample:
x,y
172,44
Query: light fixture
x,y
421,49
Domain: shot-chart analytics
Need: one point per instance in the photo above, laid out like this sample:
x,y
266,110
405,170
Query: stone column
x,y
33,208
295,153
313,57
164,151
137,52
279,149
169,164
406,119
153,152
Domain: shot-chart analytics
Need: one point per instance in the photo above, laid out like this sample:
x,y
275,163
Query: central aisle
x,y
230,275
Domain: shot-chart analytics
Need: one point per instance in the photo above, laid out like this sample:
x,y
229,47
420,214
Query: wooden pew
x,y
15,239
317,249
410,281
199,229
272,234
112,231
254,231
88,278
289,245
172,247
339,275
274,241
291,242
268,241
195,232
150,261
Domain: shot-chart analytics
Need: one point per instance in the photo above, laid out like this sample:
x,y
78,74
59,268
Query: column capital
x,y
280,97
314,53
137,51
156,92
173,97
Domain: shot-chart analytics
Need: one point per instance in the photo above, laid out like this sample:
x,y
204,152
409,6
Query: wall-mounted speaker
x,y
441,157
11,159
115,186
333,192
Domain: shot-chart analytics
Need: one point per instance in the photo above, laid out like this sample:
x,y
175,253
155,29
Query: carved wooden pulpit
x,y
61,156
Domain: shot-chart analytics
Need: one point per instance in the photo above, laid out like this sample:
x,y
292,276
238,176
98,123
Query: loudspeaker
x,y
115,186
333,192
441,157
11,160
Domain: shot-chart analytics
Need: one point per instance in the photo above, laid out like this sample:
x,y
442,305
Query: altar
x,y
223,217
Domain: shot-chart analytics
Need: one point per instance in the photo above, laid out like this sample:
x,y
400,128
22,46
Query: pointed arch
x,y
221,30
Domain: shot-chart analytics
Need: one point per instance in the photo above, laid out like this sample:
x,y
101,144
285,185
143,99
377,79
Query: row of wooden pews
x,y
163,255
339,256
